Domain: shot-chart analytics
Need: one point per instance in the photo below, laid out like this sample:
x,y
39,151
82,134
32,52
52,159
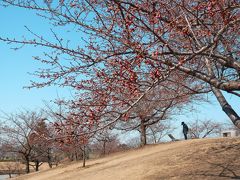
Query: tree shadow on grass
x,y
222,165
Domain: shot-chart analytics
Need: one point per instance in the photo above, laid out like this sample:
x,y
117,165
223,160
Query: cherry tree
x,y
70,129
128,47
72,133
163,101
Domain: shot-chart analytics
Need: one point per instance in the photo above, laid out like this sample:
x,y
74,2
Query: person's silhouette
x,y
185,130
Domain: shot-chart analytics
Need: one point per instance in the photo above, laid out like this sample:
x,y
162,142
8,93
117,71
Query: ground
x,y
192,159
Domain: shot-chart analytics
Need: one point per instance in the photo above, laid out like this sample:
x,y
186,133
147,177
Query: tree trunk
x,y
84,156
37,165
71,156
226,107
10,175
49,158
76,155
143,133
104,147
27,165
50,164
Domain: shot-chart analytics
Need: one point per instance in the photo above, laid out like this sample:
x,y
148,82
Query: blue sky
x,y
15,65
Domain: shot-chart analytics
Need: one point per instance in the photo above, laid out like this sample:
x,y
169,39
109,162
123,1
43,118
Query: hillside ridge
x,y
191,159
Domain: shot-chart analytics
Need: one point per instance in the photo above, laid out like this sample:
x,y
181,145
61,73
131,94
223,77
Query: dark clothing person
x,y
185,130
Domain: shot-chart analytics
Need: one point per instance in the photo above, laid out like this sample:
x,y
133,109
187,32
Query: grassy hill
x,y
192,159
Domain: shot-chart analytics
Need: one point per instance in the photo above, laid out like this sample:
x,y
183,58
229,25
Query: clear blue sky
x,y
14,66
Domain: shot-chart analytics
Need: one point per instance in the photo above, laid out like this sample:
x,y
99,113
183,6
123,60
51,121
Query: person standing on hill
x,y
185,130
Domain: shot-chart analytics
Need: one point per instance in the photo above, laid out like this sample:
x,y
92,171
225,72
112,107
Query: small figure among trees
x,y
185,130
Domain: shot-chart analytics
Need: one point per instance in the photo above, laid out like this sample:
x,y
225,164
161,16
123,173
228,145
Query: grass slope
x,y
192,159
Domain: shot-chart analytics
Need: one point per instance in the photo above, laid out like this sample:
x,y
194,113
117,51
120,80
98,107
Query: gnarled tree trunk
x,y
226,107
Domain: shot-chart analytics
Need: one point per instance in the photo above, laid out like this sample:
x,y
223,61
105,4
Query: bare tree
x,y
16,134
105,142
158,131
42,149
12,167
204,128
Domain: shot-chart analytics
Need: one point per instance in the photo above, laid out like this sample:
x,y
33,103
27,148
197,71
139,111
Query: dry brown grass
x,y
8,165
192,159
